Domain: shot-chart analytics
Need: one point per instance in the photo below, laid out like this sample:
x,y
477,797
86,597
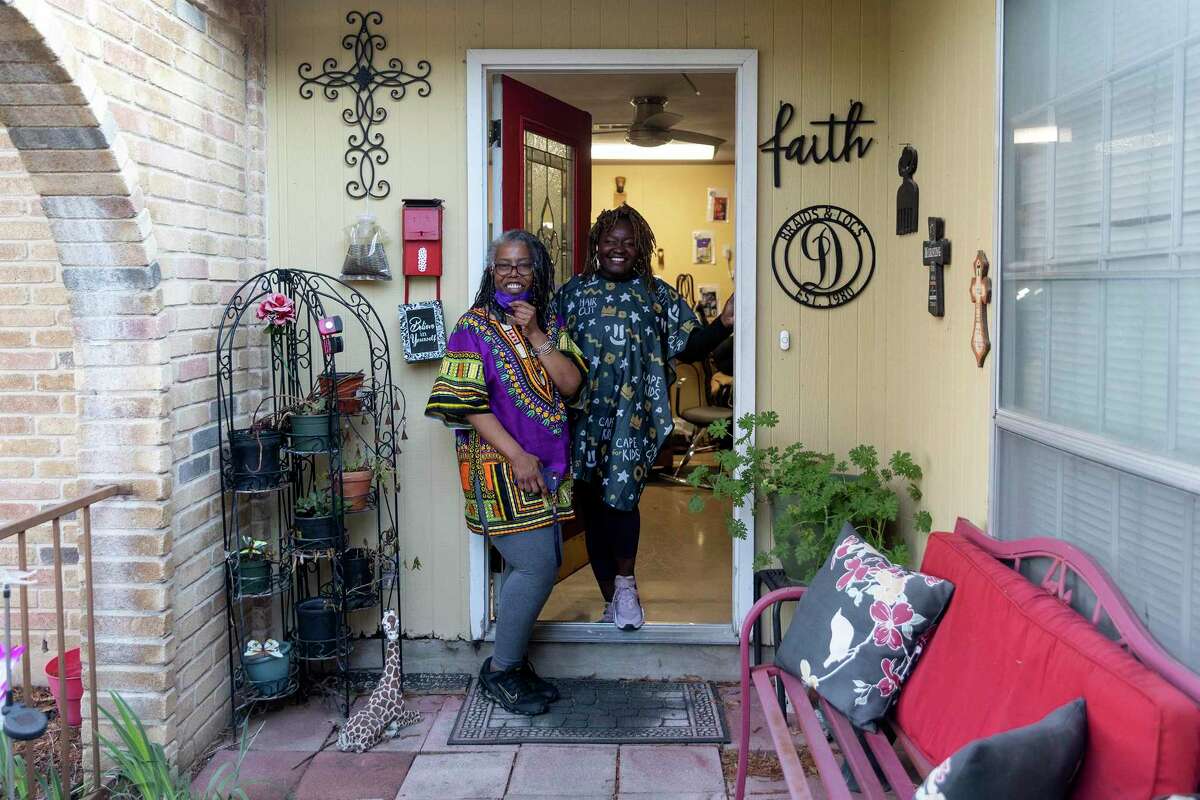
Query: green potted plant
x,y
253,569
317,520
311,426
811,495
267,665
360,473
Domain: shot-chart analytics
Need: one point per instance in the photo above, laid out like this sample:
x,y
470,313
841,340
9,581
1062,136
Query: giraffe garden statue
x,y
384,715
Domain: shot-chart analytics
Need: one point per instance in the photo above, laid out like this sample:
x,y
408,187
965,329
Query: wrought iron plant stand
x,y
266,371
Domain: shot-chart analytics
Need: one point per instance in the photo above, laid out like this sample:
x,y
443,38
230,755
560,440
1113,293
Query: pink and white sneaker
x,y
627,608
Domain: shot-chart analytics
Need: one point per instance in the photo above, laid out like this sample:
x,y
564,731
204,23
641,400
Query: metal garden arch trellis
x,y
258,505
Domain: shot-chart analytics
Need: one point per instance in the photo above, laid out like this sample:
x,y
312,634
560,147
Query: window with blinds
x,y
1100,280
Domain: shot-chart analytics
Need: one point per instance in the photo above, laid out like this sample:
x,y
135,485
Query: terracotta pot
x,y
356,489
348,384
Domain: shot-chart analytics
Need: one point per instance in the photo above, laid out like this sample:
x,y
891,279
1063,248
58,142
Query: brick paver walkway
x,y
420,765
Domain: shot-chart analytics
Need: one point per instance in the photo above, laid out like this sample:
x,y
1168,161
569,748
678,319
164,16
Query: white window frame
x,y
1102,450
744,65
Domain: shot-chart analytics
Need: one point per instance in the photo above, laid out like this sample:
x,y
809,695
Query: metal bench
x,y
1060,568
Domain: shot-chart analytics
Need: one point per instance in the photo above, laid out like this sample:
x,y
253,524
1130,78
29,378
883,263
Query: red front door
x,y
546,153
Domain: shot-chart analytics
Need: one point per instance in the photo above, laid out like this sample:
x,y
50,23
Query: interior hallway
x,y
684,566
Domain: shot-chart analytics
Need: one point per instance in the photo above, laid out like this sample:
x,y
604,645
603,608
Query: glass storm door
x,y
546,184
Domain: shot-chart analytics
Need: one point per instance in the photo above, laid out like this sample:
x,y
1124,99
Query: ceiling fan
x,y
652,125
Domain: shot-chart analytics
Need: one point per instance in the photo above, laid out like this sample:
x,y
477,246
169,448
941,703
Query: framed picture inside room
x,y
702,247
718,205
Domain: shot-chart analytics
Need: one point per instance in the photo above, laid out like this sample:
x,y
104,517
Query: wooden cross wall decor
x,y
935,254
981,295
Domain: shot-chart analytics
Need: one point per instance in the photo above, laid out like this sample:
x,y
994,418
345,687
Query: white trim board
x,y
744,63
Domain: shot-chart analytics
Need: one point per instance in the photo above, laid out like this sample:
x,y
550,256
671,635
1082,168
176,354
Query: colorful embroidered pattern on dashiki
x,y
628,332
489,367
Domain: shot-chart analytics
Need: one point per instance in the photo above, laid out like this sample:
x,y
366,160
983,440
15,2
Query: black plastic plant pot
x,y
255,460
254,576
358,574
317,533
311,433
317,626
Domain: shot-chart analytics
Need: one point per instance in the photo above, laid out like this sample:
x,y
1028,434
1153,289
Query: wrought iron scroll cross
x,y
365,148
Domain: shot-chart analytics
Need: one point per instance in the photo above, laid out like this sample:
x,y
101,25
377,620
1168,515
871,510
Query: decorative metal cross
x,y
935,254
365,149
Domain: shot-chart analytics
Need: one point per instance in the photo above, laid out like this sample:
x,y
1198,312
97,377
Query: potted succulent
x,y
317,625
346,386
253,569
311,424
268,665
811,495
317,520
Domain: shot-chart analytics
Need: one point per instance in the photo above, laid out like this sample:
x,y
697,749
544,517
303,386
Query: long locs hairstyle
x,y
541,289
643,238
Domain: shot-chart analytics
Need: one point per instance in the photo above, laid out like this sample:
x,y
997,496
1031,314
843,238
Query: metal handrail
x,y
54,515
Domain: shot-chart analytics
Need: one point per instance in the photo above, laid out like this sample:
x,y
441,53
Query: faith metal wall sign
x,y
842,140
365,147
823,256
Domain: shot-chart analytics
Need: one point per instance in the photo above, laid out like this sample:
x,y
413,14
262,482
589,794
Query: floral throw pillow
x,y
859,629
1038,760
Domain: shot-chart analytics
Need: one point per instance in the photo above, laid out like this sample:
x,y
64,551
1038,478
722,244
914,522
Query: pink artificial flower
x,y
888,620
890,681
277,310
857,569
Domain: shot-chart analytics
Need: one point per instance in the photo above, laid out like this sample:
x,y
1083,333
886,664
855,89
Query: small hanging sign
x,y
981,295
423,328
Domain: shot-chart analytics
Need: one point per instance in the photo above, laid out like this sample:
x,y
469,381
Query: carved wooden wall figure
x,y
908,196
981,295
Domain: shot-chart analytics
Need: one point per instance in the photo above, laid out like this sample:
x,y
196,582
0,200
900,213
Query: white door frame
x,y
744,63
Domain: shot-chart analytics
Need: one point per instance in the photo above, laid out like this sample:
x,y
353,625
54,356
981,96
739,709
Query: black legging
x,y
611,536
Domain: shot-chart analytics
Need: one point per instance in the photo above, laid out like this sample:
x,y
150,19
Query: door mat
x,y
601,712
436,682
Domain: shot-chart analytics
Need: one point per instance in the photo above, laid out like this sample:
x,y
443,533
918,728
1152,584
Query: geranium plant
x,y
811,494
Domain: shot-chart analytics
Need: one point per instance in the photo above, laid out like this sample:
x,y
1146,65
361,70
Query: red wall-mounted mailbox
x,y
421,221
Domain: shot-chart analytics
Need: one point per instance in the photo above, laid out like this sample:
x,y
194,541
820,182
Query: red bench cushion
x,y
1007,652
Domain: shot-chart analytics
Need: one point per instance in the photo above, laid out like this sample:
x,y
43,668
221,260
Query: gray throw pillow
x,y
1036,761
859,629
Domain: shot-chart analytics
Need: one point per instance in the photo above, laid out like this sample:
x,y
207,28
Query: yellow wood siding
x,y
879,370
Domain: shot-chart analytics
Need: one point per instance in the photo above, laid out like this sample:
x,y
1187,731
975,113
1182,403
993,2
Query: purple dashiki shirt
x,y
489,367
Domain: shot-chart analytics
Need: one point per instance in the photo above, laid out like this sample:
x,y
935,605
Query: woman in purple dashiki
x,y
509,369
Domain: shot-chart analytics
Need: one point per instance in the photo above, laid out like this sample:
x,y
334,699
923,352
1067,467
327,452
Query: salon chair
x,y
701,416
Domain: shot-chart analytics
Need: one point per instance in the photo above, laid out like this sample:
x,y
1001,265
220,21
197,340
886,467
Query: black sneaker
x,y
541,687
511,690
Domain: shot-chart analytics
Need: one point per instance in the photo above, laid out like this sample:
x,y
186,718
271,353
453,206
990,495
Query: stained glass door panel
x,y
546,181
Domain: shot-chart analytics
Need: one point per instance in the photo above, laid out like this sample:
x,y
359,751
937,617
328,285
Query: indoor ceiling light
x,y
671,151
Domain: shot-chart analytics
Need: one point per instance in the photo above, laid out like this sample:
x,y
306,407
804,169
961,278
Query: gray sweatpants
x,y
529,571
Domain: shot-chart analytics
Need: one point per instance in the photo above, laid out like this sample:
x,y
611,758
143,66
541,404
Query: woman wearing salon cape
x,y
629,326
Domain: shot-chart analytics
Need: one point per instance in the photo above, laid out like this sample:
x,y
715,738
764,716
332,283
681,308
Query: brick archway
x,y
80,167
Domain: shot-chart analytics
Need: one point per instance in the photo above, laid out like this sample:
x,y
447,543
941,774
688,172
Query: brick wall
x,y
141,125
38,423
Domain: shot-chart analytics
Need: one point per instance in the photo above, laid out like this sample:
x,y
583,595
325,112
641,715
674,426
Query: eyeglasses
x,y
520,267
